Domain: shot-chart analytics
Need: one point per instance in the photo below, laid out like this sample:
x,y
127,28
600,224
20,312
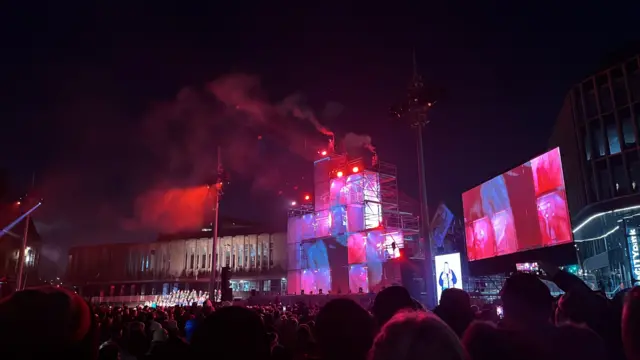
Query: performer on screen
x,y
447,278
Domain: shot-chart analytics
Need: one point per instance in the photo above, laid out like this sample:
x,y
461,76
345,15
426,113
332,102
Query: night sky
x,y
110,105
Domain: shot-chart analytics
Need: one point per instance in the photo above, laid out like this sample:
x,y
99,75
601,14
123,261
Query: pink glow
x,y
358,278
553,217
505,232
483,239
357,248
547,172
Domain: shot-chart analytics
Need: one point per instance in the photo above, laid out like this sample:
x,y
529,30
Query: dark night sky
x,y
86,92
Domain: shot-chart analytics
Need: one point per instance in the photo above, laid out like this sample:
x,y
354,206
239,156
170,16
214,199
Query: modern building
x,y
597,130
182,261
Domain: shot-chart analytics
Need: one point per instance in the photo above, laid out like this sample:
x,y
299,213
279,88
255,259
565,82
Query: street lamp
x,y
415,109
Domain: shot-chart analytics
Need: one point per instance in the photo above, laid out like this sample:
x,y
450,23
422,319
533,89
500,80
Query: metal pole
x,y
23,248
212,279
22,255
429,272
217,190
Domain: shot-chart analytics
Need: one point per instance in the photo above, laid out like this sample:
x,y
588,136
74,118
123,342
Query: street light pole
x,y
217,190
23,253
415,108
23,248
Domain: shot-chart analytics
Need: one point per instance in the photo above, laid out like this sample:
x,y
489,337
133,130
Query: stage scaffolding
x,y
376,188
355,200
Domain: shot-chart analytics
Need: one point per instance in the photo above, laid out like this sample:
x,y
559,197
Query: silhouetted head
x,y
229,330
389,301
455,309
526,300
47,322
344,330
416,335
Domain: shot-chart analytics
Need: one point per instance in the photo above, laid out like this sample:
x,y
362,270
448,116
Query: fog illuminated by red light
x,y
339,174
355,169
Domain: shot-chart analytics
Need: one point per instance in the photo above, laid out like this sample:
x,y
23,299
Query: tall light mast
x,y
216,190
21,281
415,109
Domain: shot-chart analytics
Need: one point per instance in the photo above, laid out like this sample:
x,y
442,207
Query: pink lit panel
x,y
307,226
547,172
338,220
323,223
553,217
293,281
482,240
338,194
355,218
358,278
357,248
375,246
505,232
293,231
355,189
314,280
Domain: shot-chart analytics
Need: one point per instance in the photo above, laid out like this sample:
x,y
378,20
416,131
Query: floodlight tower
x,y
415,109
216,190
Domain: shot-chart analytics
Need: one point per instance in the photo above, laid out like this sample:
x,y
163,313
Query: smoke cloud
x,y
171,210
354,142
294,104
145,174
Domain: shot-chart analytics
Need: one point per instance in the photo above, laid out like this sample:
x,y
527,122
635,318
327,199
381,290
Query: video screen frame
x,y
496,212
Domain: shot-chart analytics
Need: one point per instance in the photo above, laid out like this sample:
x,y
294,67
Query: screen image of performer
x,y
447,278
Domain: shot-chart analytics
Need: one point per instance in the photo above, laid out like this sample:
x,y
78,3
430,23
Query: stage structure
x,y
347,239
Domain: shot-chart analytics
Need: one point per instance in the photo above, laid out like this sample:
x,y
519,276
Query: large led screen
x,y
448,272
522,209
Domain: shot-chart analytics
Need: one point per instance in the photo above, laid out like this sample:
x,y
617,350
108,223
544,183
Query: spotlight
x,y
323,152
293,203
339,174
355,169
307,197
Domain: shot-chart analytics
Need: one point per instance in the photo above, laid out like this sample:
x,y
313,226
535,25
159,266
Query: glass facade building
x,y
598,131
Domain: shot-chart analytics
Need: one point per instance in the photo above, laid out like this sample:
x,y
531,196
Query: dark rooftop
x,y
228,227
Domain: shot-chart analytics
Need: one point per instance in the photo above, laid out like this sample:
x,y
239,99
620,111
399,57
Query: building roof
x,y
228,227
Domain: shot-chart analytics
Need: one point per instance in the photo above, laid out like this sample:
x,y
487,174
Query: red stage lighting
x,y
339,174
293,203
323,153
307,197
355,169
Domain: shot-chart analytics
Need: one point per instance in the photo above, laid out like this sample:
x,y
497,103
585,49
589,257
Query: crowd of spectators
x,y
53,323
